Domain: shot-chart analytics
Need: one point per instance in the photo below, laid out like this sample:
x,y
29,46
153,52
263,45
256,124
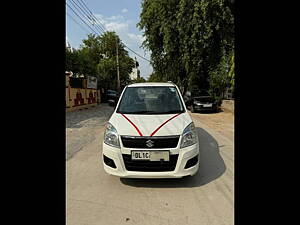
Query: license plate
x,y
207,105
150,155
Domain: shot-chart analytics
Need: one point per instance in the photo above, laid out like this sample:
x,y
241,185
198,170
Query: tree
x,y
219,79
139,80
158,20
106,67
77,61
156,77
97,57
187,38
231,74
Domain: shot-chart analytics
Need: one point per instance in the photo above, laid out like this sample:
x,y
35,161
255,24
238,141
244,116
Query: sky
x,y
120,16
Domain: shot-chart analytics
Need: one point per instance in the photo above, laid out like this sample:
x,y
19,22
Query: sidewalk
x,y
228,105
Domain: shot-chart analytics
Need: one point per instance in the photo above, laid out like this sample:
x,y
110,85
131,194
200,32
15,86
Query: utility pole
x,y
136,69
118,72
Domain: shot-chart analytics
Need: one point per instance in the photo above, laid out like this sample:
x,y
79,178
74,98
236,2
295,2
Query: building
x,y
135,71
69,48
81,92
134,74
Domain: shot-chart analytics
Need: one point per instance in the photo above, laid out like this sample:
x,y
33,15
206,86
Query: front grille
x,y
150,166
157,142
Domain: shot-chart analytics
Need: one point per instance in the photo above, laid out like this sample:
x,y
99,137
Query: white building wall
x,y
134,74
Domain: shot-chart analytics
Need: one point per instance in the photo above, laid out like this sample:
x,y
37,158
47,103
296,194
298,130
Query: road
x,y
93,197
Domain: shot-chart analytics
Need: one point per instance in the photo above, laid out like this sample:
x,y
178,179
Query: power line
x,y
93,16
137,53
78,23
84,14
82,19
106,31
128,47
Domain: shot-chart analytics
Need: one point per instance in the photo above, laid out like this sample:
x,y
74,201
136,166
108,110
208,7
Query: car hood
x,y
147,124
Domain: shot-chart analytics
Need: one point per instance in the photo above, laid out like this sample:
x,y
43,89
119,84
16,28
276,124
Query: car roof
x,y
151,84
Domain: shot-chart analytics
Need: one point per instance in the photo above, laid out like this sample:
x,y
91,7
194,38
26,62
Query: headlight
x,y
189,136
111,136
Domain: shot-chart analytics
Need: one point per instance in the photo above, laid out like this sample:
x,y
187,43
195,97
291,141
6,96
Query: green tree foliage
x,y
156,77
97,57
219,79
231,74
139,80
187,38
77,62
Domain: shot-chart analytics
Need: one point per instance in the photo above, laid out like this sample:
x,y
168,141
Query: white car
x,y
150,134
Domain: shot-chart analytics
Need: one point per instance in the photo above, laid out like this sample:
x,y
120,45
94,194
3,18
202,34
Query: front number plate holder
x,y
150,155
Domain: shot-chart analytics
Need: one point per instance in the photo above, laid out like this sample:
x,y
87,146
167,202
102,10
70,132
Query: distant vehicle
x,y
199,101
112,97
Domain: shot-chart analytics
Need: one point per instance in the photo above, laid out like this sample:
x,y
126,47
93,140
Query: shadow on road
x,y
211,167
220,110
210,112
74,118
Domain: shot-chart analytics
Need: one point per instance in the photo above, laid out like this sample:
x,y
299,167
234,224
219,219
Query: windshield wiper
x,y
173,111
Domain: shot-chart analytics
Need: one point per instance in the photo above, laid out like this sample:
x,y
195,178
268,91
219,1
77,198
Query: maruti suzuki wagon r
x,y
150,134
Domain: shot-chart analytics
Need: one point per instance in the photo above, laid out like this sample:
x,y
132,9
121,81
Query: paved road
x,y
93,197
82,127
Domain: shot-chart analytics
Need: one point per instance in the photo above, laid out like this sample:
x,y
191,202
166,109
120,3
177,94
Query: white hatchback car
x,y
150,134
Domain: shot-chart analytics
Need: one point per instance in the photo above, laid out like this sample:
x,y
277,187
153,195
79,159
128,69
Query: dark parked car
x,y
200,100
112,97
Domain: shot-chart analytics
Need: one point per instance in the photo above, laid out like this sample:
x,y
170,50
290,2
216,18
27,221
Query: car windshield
x,y
201,93
150,100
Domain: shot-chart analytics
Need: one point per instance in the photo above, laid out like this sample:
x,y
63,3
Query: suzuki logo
x,y
150,143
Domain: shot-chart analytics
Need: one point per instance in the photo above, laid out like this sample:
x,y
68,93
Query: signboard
x,y
92,82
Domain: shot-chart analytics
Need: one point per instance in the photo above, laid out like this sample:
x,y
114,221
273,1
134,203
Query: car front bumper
x,y
202,108
183,156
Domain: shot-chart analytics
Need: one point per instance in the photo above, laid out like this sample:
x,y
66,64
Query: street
x,y
94,197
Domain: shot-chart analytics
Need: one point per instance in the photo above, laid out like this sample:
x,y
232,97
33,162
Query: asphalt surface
x,y
94,197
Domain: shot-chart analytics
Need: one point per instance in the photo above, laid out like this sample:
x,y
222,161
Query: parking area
x,y
93,197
